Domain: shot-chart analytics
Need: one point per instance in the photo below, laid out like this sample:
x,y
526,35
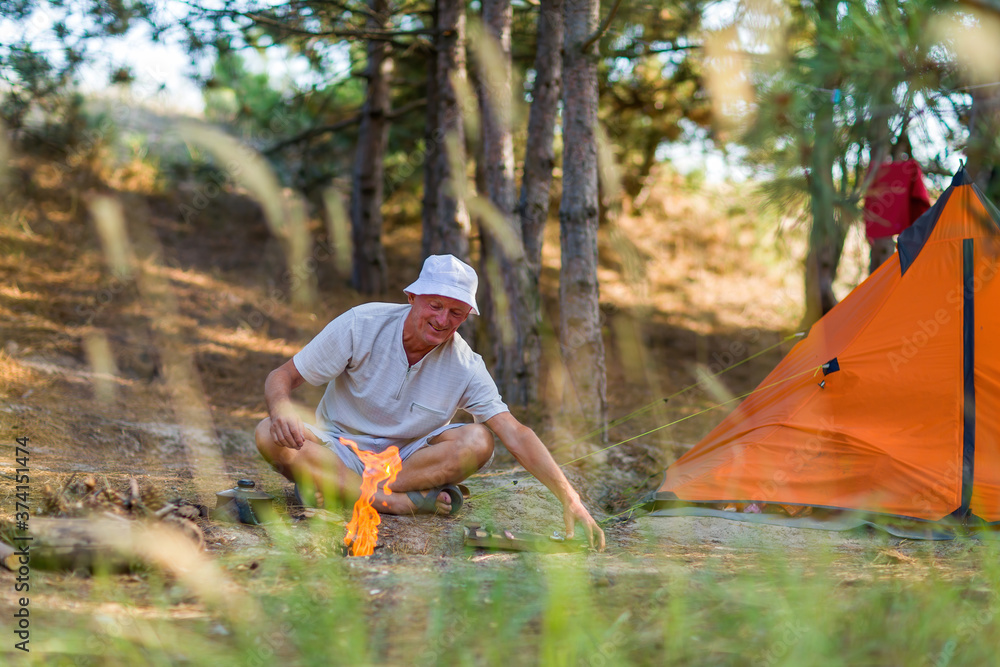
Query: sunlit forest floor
x,y
161,379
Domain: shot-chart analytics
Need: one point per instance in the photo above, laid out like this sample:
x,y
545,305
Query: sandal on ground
x,y
426,502
298,500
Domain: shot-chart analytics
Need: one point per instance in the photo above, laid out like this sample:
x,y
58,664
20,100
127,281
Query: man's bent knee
x,y
272,452
484,445
478,441
262,435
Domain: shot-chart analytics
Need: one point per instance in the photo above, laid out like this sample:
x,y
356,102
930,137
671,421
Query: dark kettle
x,y
245,504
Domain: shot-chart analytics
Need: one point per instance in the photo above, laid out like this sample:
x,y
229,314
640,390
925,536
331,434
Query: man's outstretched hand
x,y
529,451
574,511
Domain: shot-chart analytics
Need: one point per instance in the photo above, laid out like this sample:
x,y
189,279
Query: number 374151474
x,y
22,470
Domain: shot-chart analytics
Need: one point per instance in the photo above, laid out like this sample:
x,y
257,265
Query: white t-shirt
x,y
373,390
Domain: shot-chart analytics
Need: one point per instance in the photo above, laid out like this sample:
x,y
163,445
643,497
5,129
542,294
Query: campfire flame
x,y
362,531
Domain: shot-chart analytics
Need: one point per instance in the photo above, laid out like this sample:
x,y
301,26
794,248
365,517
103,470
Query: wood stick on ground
x,y
134,496
8,556
165,510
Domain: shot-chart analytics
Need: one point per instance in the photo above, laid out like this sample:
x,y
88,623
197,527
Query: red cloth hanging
x,y
895,199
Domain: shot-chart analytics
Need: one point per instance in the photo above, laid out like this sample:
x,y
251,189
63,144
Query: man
x,y
397,374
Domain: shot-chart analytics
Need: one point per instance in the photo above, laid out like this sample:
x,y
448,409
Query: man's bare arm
x,y
525,446
286,426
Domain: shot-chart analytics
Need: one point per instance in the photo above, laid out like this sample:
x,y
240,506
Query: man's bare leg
x,y
314,466
449,458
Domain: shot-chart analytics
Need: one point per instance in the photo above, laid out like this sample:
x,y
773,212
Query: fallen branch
x,y
134,496
8,557
165,510
105,543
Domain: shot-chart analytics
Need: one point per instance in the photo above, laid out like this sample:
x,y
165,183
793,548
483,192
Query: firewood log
x,y
104,542
8,557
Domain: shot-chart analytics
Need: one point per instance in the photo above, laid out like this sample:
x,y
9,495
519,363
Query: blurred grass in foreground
x,y
934,605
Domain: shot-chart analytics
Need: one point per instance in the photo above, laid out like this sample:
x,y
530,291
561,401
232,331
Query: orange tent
x,y
891,404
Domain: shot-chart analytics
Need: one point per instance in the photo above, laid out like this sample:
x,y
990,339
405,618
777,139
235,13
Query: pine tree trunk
x,y
579,319
515,371
369,274
448,233
432,146
484,297
826,240
826,237
539,159
539,155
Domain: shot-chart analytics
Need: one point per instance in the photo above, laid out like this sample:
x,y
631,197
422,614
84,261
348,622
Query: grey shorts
x,y
351,460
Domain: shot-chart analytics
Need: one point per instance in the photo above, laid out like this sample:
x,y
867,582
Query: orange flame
x,y
362,531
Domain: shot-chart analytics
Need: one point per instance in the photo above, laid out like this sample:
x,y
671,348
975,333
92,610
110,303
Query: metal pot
x,y
245,504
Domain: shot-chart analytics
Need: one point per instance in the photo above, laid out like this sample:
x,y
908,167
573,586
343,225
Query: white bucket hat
x,y
446,275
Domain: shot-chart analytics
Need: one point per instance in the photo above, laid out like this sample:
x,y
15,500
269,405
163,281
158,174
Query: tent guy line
x,y
635,413
808,371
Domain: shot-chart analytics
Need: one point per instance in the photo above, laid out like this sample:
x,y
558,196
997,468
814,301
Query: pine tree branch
x,y
372,35
633,52
266,19
601,29
314,132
